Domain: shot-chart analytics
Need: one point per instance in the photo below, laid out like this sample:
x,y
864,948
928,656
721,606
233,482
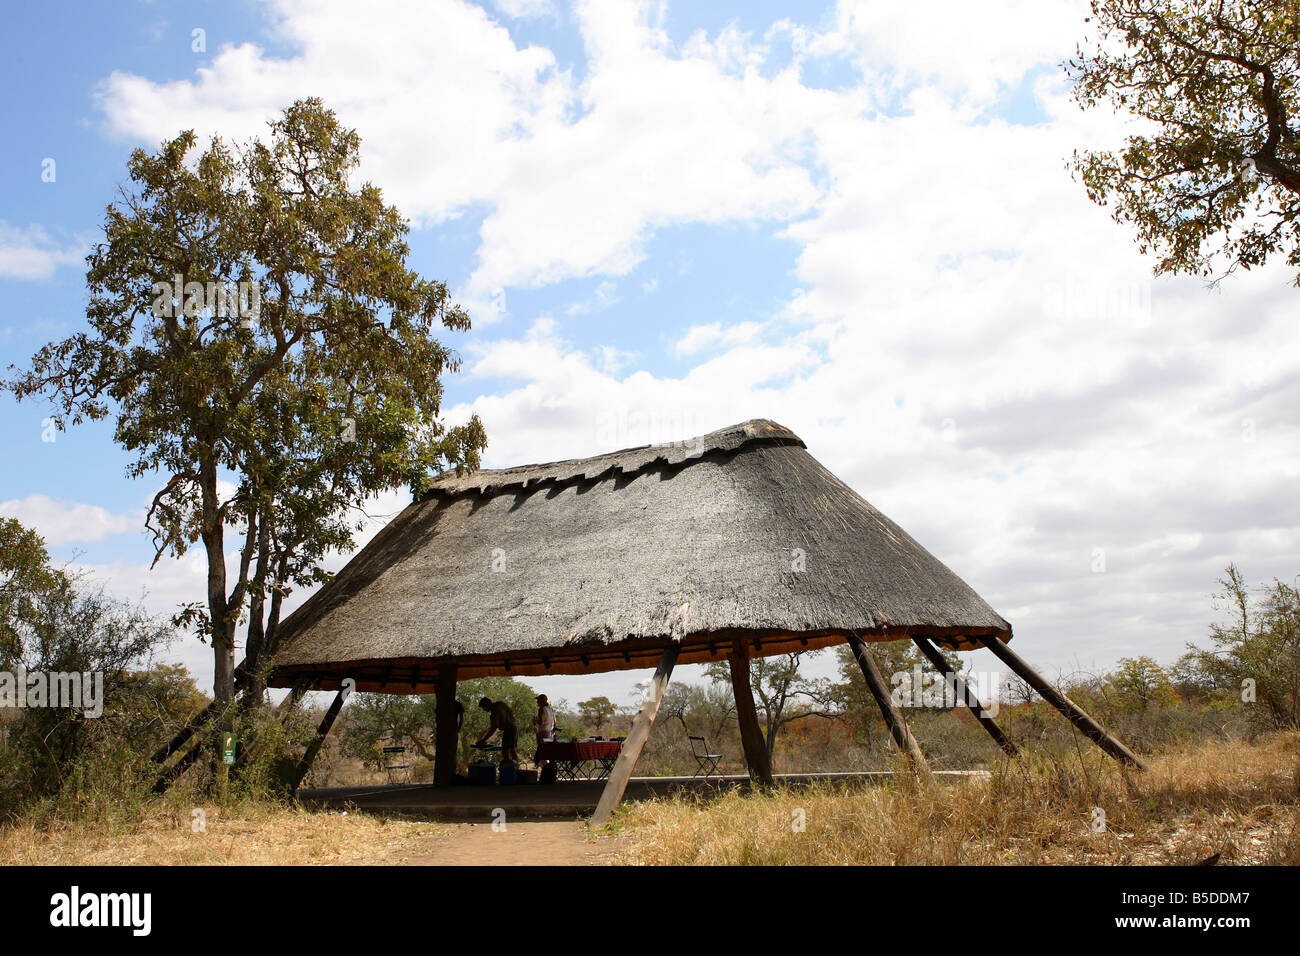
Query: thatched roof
x,y
595,564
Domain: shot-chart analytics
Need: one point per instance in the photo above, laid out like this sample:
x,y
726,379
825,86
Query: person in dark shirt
x,y
503,719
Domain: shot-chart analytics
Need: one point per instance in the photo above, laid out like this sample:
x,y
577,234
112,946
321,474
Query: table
x,y
574,759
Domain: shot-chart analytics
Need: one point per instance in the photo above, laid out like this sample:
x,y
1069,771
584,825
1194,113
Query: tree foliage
x,y
596,712
702,710
62,624
1256,657
1139,684
1214,175
273,423
28,586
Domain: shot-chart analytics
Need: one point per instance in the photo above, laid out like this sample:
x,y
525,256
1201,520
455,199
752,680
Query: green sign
x,y
228,748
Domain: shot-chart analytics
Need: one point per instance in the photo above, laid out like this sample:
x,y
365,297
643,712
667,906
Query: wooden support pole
x,y
286,706
446,744
898,728
1076,715
967,695
321,732
248,745
186,734
169,775
636,738
183,736
757,758
197,721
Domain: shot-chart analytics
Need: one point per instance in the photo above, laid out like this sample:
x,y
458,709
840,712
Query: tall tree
x,y
1216,174
261,344
596,712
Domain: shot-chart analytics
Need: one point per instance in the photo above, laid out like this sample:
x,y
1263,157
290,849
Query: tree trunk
x,y
222,628
1283,175
254,645
223,643
757,757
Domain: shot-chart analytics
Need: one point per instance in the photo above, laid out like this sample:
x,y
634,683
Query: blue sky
x,y
665,218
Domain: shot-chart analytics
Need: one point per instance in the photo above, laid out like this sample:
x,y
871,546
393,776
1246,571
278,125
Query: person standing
x,y
502,719
545,726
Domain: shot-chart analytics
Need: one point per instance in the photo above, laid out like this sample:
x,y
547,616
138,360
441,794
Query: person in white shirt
x,y
545,725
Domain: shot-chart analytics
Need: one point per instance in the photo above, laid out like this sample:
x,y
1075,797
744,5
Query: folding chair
x,y
706,763
396,770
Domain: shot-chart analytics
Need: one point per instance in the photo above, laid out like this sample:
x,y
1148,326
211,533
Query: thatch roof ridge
x,y
626,461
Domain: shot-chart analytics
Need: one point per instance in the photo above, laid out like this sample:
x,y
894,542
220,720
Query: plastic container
x,y
483,774
509,774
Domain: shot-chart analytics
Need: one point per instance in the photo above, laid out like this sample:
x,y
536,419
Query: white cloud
x,y
964,49
68,522
525,9
605,296
700,337
438,90
612,360
31,253
664,138
577,175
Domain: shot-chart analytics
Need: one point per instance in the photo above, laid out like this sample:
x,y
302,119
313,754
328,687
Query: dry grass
x,y
246,834
1235,798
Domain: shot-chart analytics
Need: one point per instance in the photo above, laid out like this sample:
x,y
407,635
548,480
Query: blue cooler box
x,y
483,774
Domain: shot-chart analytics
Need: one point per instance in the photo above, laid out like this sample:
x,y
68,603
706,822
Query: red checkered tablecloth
x,y
578,750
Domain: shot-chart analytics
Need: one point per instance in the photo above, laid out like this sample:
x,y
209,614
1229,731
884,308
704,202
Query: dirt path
x,y
520,844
